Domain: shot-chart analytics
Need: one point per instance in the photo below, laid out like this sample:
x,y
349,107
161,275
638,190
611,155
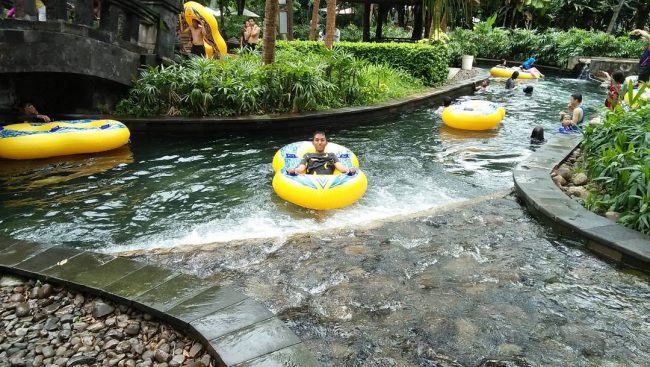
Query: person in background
x,y
510,83
42,11
243,42
528,90
616,88
644,61
252,34
537,136
446,102
503,64
337,35
29,113
573,122
528,64
198,34
483,87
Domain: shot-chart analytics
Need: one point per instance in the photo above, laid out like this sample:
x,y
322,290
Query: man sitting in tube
x,y
320,163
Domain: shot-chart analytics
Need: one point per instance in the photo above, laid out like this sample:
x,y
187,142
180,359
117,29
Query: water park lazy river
x,y
436,263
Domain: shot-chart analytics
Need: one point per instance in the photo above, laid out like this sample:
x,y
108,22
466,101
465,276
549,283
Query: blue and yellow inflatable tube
x,y
33,141
473,115
317,191
194,10
533,73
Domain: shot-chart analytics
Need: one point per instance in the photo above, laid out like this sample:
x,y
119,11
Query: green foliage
x,y
616,157
298,81
422,61
551,47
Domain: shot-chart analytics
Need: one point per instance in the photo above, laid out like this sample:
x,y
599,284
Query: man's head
x,y
515,75
575,99
251,21
28,108
618,77
447,101
320,141
528,90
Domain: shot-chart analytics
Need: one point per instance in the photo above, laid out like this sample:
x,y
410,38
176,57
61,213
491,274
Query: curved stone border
x,y
543,198
235,330
330,118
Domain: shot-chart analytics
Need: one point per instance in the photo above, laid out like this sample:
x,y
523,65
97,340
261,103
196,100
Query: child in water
x,y
528,90
615,89
537,136
483,87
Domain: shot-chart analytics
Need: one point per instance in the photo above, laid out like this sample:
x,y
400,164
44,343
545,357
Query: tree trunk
x,y
290,20
617,11
314,21
401,19
222,22
270,29
366,22
330,25
417,22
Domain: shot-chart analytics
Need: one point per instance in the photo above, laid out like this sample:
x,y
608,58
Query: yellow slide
x,y
213,38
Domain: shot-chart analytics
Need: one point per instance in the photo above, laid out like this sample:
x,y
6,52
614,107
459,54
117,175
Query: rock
x,y
36,293
38,316
161,356
129,363
110,344
147,355
38,361
195,364
579,179
615,216
195,350
114,361
177,361
147,317
78,300
22,309
94,327
47,290
565,172
578,191
61,361
137,348
48,351
64,310
66,319
101,309
78,360
115,334
79,326
132,329
65,334
206,359
21,331
51,308
559,180
61,350
51,324
17,298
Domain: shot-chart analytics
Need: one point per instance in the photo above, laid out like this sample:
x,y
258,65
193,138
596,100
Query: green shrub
x,y
616,157
298,81
551,47
425,62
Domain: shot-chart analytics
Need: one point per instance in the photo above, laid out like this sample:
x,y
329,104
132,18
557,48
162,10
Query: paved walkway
x,y
235,329
540,194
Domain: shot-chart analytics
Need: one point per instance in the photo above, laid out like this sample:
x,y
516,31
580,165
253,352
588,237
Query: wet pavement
x,y
465,286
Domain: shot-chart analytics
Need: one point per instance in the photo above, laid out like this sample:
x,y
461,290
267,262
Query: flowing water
x,y
173,191
424,270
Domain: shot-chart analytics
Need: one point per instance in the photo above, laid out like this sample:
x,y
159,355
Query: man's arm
x,y
255,31
342,168
642,33
298,170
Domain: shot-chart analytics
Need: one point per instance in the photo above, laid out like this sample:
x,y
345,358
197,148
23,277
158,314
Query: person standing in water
x,y
573,122
510,83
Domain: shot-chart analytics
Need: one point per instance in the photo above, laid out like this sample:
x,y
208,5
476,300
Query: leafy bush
x,y
298,81
617,160
425,62
551,47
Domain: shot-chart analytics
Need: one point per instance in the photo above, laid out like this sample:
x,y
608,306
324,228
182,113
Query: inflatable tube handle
x,y
55,129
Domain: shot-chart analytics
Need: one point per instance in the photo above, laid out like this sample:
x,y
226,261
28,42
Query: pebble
x,y
53,327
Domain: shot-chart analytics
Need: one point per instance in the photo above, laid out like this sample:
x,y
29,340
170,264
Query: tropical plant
x,y
616,157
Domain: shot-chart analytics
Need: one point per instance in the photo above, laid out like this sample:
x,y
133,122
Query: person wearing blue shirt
x,y
526,65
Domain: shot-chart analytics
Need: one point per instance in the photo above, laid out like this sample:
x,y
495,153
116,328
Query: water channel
x,y
435,266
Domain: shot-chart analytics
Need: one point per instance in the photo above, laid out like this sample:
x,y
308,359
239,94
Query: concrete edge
x,y
534,186
331,118
34,253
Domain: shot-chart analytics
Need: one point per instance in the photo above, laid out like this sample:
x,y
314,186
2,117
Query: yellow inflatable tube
x,y
194,10
317,191
473,115
507,73
32,141
635,94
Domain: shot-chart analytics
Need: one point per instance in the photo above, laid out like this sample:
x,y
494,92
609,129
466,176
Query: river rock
x,y
579,179
78,300
578,191
38,361
17,298
48,351
101,309
79,326
177,361
114,361
96,326
559,180
565,172
64,310
22,309
62,361
79,360
47,290
161,356
615,216
148,355
129,363
195,350
110,344
132,328
51,324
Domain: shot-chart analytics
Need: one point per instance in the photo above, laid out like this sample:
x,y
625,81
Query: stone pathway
x,y
234,329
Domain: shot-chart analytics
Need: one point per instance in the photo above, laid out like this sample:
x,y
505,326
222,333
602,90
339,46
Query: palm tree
x,y
314,21
270,29
330,24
